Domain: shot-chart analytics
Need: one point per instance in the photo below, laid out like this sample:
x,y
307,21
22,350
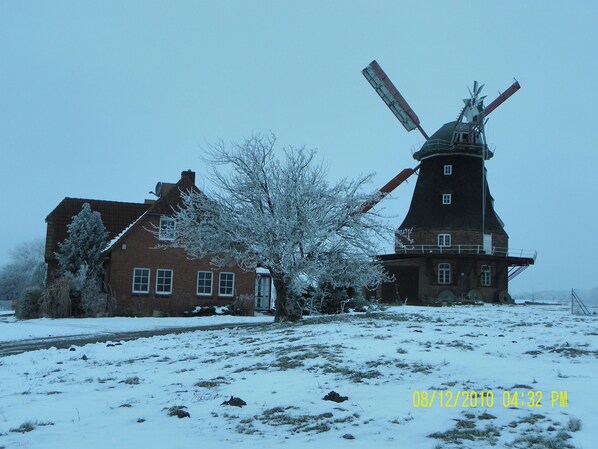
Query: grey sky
x,y
104,99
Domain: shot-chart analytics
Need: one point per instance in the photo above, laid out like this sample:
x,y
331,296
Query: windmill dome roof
x,y
445,132
442,142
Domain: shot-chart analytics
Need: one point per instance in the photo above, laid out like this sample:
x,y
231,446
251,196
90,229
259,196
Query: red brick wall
x,y
140,252
465,276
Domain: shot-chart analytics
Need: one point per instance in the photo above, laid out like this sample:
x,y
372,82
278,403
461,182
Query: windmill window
x,y
226,284
486,276
446,198
141,280
444,240
444,273
166,228
448,169
163,282
204,283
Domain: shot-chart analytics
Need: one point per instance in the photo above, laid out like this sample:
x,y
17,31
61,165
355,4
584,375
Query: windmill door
x,y
262,292
487,243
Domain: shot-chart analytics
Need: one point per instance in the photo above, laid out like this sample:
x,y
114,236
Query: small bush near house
x,y
56,300
244,306
94,302
28,303
204,311
338,300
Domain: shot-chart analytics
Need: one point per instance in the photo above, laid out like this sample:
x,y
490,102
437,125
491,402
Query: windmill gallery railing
x,y
466,249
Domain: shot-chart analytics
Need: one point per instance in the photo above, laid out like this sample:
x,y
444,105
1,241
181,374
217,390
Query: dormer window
x,y
448,170
444,240
447,198
166,228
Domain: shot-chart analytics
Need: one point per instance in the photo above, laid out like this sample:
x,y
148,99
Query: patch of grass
x,y
212,383
459,345
536,439
532,418
29,426
574,424
565,349
284,363
421,367
464,430
256,367
103,380
178,411
247,428
131,381
279,416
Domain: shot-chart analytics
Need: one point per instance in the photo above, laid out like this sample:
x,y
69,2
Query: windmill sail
x,y
391,96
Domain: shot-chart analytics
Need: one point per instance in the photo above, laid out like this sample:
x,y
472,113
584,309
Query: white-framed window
x,y
163,281
166,228
444,240
204,283
226,284
447,198
486,276
444,273
448,170
141,280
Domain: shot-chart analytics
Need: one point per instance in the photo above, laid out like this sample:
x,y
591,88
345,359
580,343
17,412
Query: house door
x,y
262,292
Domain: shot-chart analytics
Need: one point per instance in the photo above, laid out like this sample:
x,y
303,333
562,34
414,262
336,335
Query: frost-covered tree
x,y
80,260
81,252
26,268
283,215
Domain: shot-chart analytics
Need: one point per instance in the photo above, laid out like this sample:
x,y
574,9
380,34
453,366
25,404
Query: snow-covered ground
x,y
395,367
12,329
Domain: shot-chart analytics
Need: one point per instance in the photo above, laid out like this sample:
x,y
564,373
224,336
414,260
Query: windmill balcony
x,y
467,250
436,146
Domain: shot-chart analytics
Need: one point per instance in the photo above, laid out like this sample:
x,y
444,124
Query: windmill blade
x,y
392,97
389,187
502,98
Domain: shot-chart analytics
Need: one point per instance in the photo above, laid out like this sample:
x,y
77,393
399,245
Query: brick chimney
x,y
189,174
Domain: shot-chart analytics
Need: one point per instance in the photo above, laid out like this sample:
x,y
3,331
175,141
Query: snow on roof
x,y
116,238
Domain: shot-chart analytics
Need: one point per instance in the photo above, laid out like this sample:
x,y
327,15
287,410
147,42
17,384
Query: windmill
x,y
456,246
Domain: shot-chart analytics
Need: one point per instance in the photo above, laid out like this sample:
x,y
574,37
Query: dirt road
x,y
18,347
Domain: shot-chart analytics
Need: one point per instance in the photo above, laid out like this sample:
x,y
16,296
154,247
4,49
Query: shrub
x,y
204,311
338,300
28,303
56,301
94,302
244,306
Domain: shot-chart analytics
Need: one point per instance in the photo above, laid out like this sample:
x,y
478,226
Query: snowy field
x,y
409,375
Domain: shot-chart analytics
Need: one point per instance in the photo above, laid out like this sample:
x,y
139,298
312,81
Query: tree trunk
x,y
286,307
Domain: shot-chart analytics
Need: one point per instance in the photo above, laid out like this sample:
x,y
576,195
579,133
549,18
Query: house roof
x,y
115,215
119,217
170,199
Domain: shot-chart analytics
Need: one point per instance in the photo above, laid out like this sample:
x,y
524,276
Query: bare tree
x,y
282,215
26,268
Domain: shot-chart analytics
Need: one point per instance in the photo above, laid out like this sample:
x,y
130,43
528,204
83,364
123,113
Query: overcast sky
x,y
103,99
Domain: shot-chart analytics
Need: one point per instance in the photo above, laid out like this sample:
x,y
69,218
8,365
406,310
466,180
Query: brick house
x,y
144,278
